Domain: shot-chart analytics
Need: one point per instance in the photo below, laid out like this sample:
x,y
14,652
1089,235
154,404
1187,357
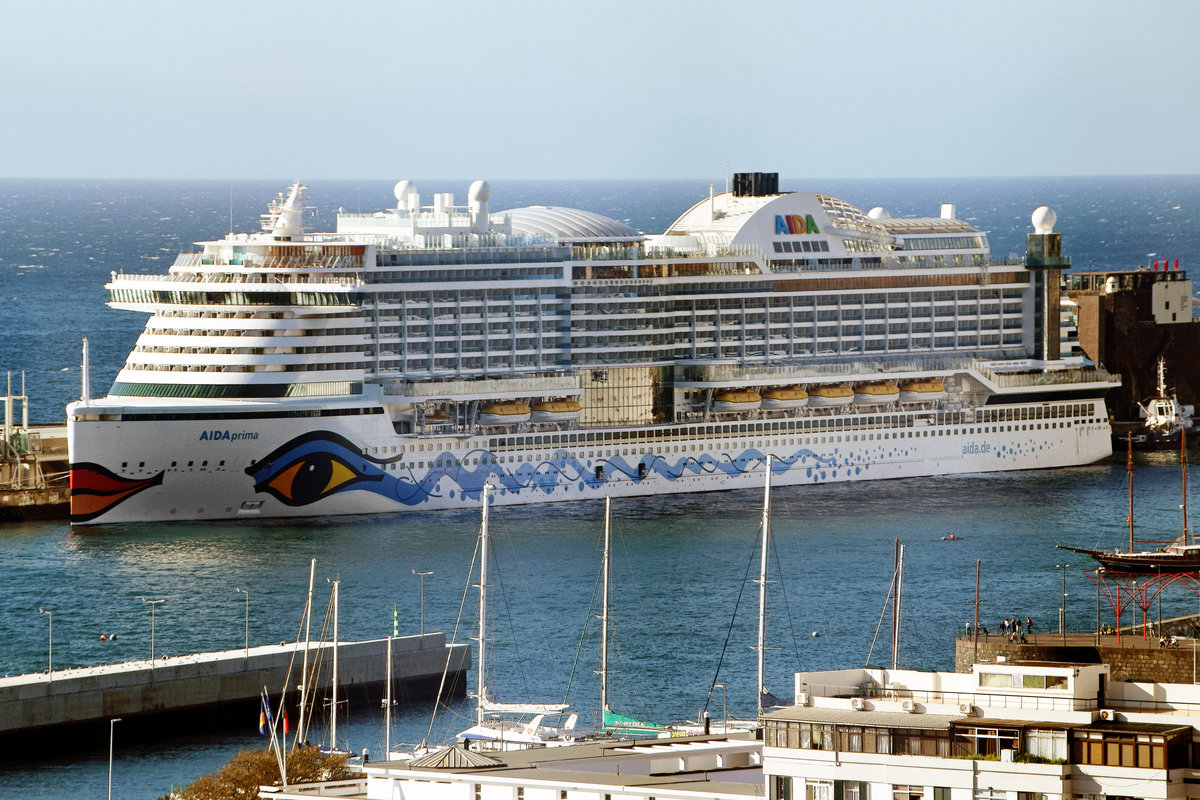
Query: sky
x,y
613,89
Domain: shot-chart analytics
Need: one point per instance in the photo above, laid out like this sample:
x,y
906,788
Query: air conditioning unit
x,y
857,703
908,705
1106,715
801,698
966,708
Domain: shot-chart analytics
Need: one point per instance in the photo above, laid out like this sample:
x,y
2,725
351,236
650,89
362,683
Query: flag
x,y
286,727
264,714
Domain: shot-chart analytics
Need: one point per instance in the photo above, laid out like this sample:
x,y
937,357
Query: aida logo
x,y
226,436
795,224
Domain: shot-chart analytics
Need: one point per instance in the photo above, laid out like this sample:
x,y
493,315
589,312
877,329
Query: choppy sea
x,y
680,562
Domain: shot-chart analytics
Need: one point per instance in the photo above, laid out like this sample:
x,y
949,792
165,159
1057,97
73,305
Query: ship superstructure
x,y
418,352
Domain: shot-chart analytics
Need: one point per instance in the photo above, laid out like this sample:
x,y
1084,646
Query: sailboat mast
x,y
481,691
334,709
762,586
312,571
387,716
896,604
604,601
1183,469
1129,469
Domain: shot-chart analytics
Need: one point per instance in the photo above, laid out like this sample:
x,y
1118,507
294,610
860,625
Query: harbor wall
x,y
1134,659
224,680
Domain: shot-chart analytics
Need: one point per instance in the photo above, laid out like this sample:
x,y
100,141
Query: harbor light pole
x,y
111,724
422,574
152,603
247,593
50,616
1062,609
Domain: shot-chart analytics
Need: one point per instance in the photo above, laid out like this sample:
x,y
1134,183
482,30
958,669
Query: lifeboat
x,y
437,417
735,401
876,394
510,413
784,398
830,396
556,411
926,391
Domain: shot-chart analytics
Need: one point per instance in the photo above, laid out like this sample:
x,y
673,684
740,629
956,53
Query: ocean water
x,y
681,596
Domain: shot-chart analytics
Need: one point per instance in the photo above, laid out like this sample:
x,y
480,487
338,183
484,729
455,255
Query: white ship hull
x,y
362,467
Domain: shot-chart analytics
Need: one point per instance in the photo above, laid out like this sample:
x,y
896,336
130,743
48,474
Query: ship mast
x,y
1183,471
1129,469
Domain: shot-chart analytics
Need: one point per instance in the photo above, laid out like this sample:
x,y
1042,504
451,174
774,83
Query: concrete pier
x,y
224,682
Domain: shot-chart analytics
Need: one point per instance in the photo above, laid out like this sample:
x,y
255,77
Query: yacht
x,y
416,353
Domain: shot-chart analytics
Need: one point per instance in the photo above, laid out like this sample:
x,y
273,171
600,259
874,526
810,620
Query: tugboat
x,y
1166,419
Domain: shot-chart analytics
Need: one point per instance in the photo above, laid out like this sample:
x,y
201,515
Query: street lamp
x,y
111,724
50,617
422,574
247,593
152,603
724,709
1062,610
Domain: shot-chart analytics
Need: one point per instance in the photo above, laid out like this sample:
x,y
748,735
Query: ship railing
x,y
241,279
273,262
982,700
807,369
1035,376
486,388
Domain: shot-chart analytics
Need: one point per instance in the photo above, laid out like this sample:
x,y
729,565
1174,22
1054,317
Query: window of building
x,y
908,792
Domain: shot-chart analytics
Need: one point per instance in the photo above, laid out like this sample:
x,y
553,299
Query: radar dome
x,y
879,212
480,192
402,189
1044,219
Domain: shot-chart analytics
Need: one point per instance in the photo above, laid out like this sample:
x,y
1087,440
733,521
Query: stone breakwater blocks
x,y
182,683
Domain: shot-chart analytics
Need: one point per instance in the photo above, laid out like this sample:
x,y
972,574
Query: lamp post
x,y
724,709
1062,609
111,724
247,593
422,574
152,603
50,617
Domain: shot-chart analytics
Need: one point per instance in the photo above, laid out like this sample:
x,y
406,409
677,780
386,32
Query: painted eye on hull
x,y
312,477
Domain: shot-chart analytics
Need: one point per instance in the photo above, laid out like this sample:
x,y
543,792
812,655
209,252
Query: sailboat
x,y
612,722
1181,556
498,725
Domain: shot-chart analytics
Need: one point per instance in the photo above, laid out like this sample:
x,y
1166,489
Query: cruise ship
x,y
418,352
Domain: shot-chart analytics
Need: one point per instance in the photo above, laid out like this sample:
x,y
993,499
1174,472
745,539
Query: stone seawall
x,y
1134,659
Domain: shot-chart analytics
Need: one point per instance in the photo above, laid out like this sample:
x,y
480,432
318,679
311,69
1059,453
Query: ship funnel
x,y
477,203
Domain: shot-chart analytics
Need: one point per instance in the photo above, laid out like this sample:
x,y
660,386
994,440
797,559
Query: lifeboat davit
x,y
876,394
739,400
830,396
437,417
784,398
504,413
926,391
556,411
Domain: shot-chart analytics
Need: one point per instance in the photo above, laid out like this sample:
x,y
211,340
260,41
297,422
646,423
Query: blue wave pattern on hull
x,y
317,465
